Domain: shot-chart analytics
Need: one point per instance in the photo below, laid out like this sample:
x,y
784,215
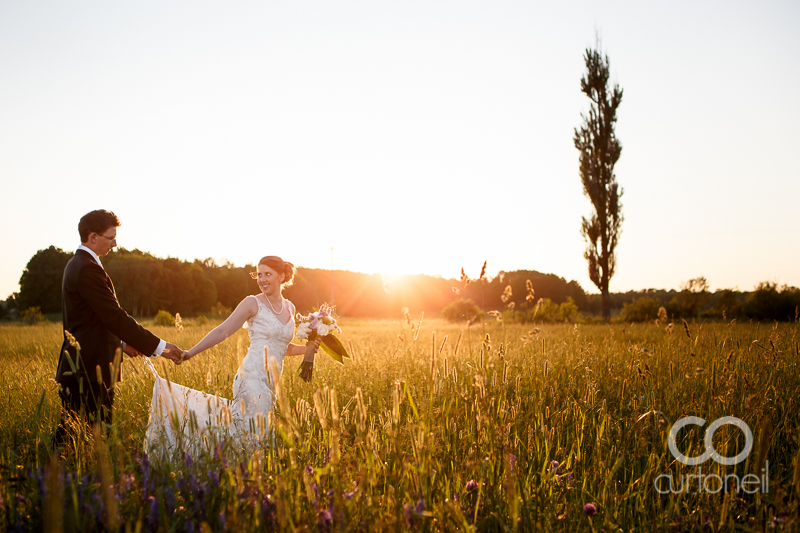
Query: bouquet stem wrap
x,y
307,366
319,327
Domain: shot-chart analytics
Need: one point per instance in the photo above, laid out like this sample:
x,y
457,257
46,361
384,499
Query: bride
x,y
269,319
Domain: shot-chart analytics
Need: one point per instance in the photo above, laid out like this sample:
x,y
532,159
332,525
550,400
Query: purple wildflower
x,y
777,521
554,466
420,505
325,520
153,520
512,461
40,481
407,514
268,508
472,486
589,509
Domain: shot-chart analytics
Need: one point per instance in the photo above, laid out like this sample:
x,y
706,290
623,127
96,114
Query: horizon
x,y
489,276
421,137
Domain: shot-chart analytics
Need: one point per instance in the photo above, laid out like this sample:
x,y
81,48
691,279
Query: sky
x,y
403,137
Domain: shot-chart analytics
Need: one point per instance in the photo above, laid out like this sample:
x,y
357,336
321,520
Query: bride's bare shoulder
x,y
250,303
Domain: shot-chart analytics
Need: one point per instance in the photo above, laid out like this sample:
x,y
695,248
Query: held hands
x,y
185,356
173,353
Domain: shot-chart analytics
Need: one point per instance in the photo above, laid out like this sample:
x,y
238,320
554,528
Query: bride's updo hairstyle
x,y
279,265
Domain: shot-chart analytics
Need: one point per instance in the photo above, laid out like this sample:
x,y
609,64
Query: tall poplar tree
x,y
599,151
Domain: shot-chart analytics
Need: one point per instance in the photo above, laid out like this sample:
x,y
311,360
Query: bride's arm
x,y
245,310
299,349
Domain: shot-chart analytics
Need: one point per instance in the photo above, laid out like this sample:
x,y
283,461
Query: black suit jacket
x,y
93,316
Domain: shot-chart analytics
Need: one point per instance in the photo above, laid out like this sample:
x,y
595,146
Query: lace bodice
x,y
265,328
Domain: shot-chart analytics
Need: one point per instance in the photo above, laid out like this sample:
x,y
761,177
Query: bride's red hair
x,y
279,265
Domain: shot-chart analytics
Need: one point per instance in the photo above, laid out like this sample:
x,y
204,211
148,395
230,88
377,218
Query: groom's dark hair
x,y
97,221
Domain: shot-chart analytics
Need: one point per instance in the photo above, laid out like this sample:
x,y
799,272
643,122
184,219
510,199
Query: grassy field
x,y
434,428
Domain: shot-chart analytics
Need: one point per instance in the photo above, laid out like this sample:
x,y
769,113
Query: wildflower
x,y
420,505
324,520
472,486
153,520
268,507
589,509
512,461
407,513
777,521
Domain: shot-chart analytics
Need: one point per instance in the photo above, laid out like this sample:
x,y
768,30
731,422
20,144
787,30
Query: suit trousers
x,y
91,403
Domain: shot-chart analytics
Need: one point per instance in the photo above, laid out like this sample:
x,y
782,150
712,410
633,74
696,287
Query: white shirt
x,y
161,343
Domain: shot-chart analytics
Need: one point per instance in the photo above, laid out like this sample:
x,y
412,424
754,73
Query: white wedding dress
x,y
184,420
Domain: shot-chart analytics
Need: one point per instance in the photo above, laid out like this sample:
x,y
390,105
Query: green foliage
x,y
548,286
40,284
461,310
693,297
600,150
219,310
32,315
552,313
770,302
641,310
164,318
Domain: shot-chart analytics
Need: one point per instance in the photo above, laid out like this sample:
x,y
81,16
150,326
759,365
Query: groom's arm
x,y
98,294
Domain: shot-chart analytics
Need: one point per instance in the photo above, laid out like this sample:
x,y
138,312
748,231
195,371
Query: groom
x,y
94,325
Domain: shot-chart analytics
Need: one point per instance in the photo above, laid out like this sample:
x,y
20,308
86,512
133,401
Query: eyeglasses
x,y
109,238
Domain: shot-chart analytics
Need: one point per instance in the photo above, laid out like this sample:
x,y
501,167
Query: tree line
x,y
145,284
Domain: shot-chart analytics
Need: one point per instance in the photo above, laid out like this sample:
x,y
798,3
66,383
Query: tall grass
x,y
432,426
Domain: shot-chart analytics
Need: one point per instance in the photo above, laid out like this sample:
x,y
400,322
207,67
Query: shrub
x,y
163,318
32,315
220,310
768,302
641,310
460,310
549,311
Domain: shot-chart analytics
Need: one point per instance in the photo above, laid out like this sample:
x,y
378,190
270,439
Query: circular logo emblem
x,y
709,440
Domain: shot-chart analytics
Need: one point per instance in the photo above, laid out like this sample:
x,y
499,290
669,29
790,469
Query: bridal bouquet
x,y
319,325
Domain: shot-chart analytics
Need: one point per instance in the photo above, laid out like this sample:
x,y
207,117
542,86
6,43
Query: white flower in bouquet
x,y
318,325
303,330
